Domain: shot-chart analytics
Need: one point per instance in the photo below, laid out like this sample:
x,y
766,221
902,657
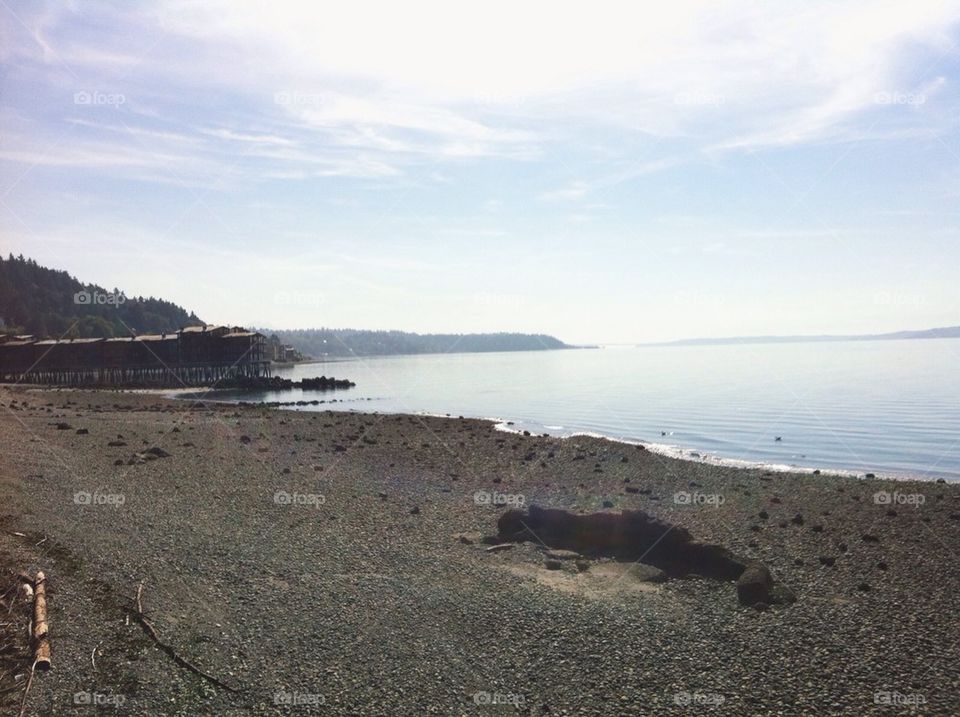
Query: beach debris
x,y
41,640
754,585
82,431
499,547
137,613
629,534
563,554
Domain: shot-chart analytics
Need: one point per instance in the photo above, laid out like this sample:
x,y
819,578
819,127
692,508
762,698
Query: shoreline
x,y
677,452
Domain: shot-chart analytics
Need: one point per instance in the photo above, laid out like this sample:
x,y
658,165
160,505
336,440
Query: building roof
x,y
157,337
201,329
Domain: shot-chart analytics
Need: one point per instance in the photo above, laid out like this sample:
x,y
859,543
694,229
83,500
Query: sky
x,y
604,172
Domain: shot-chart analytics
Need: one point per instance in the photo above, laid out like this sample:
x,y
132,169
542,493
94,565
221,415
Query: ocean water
x,y
887,407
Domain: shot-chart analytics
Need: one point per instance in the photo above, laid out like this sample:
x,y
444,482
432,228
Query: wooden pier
x,y
193,356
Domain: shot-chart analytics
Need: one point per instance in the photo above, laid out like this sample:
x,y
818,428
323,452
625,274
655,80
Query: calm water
x,y
888,407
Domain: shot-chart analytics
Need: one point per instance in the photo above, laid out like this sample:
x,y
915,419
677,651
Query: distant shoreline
x,y
950,332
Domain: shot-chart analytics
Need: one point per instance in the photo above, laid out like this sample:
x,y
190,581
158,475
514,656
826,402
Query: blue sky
x,y
602,172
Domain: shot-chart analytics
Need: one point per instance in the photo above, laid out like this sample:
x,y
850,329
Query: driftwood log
x,y
41,640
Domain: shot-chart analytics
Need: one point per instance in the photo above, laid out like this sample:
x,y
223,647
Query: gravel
x,y
280,551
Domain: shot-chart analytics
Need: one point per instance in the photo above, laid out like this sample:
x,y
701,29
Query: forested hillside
x,y
46,302
356,342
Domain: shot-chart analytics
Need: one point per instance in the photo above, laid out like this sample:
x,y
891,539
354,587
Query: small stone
x,y
467,538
